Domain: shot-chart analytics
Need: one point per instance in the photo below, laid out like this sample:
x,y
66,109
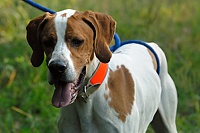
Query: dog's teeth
x,y
74,95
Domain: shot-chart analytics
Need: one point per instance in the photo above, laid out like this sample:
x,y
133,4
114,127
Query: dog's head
x,y
70,41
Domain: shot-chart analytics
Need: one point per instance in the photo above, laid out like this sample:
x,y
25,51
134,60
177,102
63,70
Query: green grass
x,y
25,96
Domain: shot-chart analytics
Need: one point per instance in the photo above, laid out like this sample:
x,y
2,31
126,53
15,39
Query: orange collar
x,y
95,81
99,75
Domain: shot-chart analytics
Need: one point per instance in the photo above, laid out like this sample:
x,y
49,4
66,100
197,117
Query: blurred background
x,y
25,95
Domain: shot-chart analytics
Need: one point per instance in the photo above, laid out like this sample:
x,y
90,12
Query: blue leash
x,y
118,42
38,6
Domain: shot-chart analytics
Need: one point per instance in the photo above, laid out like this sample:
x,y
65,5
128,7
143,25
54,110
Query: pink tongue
x,y
62,95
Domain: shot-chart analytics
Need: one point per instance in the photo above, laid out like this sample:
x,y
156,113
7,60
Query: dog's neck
x,y
96,72
95,76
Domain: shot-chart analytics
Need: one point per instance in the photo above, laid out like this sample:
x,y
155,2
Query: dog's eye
x,y
77,42
48,42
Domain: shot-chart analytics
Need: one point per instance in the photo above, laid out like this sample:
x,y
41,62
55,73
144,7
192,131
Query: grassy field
x,y
25,96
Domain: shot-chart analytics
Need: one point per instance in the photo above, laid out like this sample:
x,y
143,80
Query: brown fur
x,y
34,29
121,91
103,27
83,54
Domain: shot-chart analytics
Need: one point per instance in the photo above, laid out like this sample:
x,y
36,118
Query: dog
x,y
97,90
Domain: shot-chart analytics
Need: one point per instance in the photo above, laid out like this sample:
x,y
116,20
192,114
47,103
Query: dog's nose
x,y
57,67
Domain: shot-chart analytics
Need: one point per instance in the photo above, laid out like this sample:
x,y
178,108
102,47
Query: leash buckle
x,y
84,94
85,91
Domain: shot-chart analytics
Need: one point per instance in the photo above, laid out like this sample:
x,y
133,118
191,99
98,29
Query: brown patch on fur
x,y
121,86
153,59
103,27
78,29
64,14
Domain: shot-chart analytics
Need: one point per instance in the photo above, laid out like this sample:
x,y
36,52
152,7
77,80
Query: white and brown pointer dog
x,y
100,91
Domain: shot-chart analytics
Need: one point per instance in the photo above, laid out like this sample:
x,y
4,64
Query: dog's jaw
x,y
65,93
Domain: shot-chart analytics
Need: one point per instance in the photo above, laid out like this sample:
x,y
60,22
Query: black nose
x,y
57,67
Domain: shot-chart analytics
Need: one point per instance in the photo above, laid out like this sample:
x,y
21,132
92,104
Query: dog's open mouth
x,y
66,93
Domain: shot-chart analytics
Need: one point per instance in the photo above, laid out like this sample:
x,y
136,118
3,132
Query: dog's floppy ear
x,y
104,28
33,32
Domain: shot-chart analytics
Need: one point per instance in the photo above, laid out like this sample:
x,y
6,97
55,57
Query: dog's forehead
x,y
60,22
64,15
61,19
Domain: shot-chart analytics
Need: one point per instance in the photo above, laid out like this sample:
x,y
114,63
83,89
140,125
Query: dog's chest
x,y
89,117
99,114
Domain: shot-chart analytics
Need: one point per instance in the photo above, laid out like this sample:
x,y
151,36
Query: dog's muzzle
x,y
66,84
